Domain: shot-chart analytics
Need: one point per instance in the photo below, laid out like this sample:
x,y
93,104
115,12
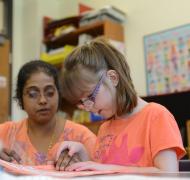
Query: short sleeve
x,y
80,133
165,134
7,134
89,139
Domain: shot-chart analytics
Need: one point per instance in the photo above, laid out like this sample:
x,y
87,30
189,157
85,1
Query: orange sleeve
x,y
89,140
81,134
165,134
5,133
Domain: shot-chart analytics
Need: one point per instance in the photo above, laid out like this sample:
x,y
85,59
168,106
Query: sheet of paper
x,y
130,177
6,176
49,173
98,177
46,170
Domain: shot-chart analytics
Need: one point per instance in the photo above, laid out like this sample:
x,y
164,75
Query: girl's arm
x,y
165,160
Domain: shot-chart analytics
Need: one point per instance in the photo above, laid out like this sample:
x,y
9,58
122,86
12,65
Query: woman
x,y
35,140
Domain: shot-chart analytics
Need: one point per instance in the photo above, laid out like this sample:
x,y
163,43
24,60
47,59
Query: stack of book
x,y
108,12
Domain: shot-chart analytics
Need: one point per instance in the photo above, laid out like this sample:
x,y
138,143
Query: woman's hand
x,y
69,153
9,155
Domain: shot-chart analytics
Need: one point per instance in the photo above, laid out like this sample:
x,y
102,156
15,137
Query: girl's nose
x,y
81,106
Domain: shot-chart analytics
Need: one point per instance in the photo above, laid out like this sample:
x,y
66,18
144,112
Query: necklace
x,y
52,139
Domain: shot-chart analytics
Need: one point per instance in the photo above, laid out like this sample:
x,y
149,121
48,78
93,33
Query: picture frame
x,y
167,60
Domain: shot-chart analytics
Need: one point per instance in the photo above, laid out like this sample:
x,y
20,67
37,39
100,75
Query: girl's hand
x,y
9,155
90,165
94,166
70,152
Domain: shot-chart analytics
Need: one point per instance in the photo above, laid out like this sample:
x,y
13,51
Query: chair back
x,y
184,165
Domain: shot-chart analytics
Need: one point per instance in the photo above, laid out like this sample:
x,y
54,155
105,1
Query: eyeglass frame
x,y
38,94
90,100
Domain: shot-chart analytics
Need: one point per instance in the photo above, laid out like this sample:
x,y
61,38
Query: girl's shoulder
x,y
156,108
153,113
149,112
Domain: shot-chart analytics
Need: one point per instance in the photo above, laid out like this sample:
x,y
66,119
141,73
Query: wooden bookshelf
x,y
105,28
5,75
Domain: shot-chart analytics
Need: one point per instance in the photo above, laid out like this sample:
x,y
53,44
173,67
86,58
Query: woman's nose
x,y
42,99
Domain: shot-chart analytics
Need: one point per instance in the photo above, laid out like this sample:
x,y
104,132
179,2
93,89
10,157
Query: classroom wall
x,y
1,16
143,17
27,36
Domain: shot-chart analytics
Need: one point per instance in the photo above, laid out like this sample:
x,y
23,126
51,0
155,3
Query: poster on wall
x,y
167,61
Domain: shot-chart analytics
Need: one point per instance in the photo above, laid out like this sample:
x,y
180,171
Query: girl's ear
x,y
113,76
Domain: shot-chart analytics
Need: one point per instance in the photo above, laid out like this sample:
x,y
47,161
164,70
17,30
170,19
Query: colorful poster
x,y
167,61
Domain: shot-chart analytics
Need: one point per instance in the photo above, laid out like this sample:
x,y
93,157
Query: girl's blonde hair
x,y
85,65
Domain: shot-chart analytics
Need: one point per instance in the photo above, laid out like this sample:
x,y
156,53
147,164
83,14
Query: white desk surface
x,y
151,176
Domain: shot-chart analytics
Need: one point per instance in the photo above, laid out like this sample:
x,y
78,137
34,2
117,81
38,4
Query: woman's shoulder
x,y
10,124
78,129
72,124
10,127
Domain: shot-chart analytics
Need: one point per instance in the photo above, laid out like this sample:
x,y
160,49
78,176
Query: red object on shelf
x,y
84,8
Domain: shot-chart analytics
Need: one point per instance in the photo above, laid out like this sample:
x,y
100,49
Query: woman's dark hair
x,y
30,68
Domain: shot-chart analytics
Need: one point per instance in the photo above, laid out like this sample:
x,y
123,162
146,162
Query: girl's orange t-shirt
x,y
14,136
135,141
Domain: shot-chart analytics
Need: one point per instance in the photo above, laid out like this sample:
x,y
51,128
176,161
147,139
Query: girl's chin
x,y
105,113
107,116
110,117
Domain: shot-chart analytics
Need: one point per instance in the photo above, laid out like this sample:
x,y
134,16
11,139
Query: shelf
x,y
102,28
72,37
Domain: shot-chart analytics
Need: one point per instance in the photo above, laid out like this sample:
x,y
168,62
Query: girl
x,y
35,139
137,135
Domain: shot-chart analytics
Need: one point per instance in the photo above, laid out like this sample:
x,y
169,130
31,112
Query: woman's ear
x,y
113,76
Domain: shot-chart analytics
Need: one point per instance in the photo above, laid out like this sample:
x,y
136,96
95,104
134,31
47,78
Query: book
x,y
56,56
106,12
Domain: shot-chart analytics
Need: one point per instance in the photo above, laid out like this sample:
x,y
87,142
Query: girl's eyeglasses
x,y
88,103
